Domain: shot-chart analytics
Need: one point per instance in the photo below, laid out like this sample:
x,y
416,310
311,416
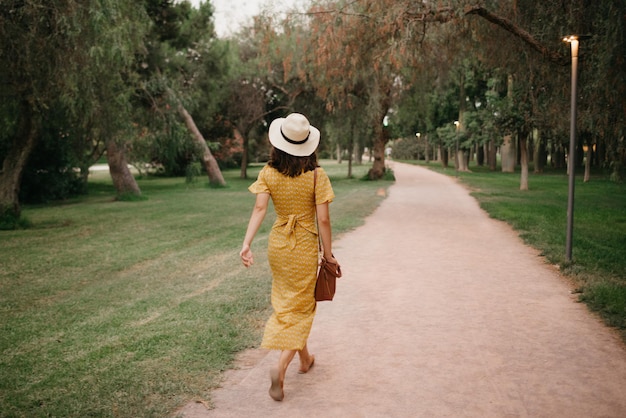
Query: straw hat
x,y
294,135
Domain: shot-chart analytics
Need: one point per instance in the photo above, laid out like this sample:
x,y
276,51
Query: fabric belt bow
x,y
289,224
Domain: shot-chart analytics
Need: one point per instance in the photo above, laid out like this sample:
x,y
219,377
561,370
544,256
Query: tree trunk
x,y
443,156
13,165
463,160
480,155
569,161
459,157
210,163
123,180
492,155
350,146
588,156
358,153
507,151
558,157
523,139
380,139
84,178
245,144
539,155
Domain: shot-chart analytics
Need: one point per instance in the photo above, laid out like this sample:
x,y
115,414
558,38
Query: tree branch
x,y
506,24
440,15
339,11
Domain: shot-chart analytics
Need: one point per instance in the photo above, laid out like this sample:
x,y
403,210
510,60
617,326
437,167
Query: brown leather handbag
x,y
327,272
326,280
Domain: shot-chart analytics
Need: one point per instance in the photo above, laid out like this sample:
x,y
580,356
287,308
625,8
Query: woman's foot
x,y
276,390
306,367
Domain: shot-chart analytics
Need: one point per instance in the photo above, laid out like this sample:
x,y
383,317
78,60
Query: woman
x,y
289,179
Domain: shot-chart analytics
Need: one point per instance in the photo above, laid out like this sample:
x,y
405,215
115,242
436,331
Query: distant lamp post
x,y
573,40
456,147
417,154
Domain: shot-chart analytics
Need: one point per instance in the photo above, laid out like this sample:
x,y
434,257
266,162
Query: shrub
x,y
407,149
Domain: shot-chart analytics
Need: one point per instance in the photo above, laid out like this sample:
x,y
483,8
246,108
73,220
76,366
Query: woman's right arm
x,y
258,214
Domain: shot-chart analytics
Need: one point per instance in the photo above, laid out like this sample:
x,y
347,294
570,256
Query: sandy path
x,y
442,312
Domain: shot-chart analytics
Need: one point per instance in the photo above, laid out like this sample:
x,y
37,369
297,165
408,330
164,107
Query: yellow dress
x,y
292,254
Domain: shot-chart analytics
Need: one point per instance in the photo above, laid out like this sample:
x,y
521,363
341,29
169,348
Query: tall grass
x,y
539,214
130,309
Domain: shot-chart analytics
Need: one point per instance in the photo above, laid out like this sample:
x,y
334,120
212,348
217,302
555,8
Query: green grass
x,y
539,214
133,308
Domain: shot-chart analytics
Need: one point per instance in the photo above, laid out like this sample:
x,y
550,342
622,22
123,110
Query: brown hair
x,y
291,165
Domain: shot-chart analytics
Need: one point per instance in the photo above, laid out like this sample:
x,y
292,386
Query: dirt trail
x,y
442,312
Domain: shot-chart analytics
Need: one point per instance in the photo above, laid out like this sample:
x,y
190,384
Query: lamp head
x,y
571,38
573,41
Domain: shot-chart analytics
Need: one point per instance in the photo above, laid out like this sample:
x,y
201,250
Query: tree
x,y
354,60
52,51
364,48
250,93
179,59
272,78
602,81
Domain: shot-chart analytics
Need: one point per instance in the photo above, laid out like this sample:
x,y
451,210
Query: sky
x,y
230,15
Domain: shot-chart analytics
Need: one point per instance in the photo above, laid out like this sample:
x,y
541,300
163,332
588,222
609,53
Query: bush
x,y
10,221
388,175
407,149
51,173
48,184
193,170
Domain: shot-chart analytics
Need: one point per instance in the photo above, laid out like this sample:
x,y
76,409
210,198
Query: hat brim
x,y
298,150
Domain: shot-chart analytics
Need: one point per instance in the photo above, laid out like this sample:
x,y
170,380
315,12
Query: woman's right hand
x,y
246,256
331,259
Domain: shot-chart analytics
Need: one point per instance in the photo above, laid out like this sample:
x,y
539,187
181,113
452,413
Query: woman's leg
x,y
277,374
306,360
283,362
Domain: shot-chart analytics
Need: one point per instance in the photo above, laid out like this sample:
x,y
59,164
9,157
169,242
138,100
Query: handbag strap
x,y
319,241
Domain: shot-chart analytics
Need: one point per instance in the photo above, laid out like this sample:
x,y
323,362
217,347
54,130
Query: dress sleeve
x,y
323,188
260,185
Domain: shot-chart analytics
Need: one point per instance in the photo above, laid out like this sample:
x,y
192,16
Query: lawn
x,y
132,309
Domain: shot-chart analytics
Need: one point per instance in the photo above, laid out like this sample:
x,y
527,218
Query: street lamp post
x,y
573,41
